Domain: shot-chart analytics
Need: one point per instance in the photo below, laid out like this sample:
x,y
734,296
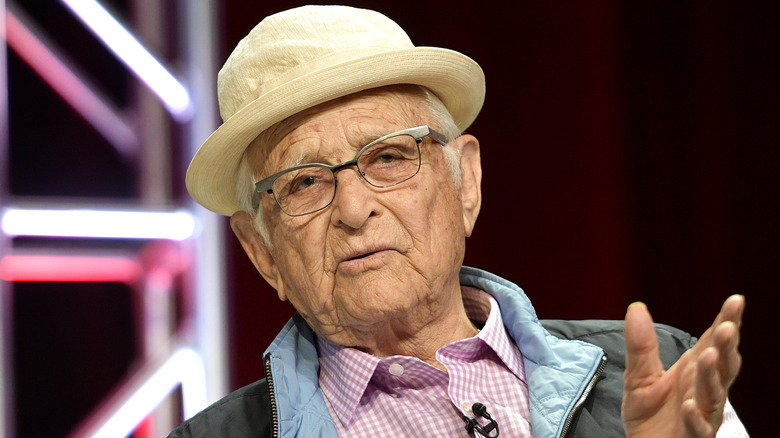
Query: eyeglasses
x,y
385,162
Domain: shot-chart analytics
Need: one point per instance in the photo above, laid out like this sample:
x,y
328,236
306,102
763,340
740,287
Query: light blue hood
x,y
558,371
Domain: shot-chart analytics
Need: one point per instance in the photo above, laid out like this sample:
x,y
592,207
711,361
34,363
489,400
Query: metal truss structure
x,y
163,248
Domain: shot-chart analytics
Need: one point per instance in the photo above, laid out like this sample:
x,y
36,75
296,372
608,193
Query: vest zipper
x,y
584,396
270,380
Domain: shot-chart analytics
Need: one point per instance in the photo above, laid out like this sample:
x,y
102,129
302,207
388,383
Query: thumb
x,y
643,364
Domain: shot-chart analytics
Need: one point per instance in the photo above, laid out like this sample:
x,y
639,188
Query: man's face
x,y
375,256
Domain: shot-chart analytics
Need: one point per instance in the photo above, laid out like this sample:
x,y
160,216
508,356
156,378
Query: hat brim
x,y
455,78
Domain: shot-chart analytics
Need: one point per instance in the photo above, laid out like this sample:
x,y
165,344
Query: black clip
x,y
472,424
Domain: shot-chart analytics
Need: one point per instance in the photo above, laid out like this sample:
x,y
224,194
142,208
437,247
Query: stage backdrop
x,y
629,153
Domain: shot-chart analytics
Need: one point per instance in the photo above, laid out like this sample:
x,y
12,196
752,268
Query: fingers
x,y
716,368
732,309
695,389
642,360
718,360
725,338
726,342
710,393
731,312
703,413
695,421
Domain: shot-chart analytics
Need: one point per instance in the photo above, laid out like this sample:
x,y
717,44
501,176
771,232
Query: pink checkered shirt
x,y
369,396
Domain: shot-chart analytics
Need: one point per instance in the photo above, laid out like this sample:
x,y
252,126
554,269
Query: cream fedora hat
x,y
302,57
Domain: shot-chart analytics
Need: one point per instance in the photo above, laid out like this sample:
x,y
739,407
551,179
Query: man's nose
x,y
354,201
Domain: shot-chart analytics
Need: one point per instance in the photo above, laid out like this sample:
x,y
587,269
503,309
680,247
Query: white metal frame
x,y
195,358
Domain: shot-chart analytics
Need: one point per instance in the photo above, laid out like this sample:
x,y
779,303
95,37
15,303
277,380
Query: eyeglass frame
x,y
417,133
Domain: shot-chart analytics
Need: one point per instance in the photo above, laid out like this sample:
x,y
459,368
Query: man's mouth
x,y
363,261
361,256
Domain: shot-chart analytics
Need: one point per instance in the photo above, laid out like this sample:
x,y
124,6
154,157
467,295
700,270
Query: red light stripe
x,y
67,269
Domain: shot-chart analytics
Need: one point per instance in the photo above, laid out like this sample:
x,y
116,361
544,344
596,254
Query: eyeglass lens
x,y
383,164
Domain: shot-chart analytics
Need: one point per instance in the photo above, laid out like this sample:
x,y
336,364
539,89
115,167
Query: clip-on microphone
x,y
472,425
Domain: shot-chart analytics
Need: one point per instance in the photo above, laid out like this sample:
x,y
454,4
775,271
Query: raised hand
x,y
688,399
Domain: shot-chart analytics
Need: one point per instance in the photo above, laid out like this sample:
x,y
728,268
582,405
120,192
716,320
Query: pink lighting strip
x,y
173,94
64,82
65,269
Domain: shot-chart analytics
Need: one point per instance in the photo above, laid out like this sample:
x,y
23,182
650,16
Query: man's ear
x,y
471,178
254,246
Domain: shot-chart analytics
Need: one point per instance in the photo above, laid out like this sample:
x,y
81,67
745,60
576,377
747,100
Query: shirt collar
x,y
345,372
344,376
493,333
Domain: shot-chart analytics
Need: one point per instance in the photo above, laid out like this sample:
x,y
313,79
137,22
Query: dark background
x,y
629,153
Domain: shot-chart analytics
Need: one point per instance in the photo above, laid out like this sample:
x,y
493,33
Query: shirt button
x,y
466,406
396,369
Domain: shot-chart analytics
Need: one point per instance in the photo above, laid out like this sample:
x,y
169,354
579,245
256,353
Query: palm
x,y
687,399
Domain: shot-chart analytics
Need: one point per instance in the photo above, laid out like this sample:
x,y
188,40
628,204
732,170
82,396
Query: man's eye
x,y
387,155
302,183
386,158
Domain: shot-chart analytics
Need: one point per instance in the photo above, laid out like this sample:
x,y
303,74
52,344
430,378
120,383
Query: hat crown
x,y
291,43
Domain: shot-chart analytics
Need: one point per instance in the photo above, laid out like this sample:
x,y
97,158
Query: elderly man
x,y
352,188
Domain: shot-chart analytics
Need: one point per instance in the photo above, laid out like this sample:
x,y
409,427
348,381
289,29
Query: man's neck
x,y
420,335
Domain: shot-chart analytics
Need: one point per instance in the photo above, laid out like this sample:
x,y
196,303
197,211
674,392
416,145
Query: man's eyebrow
x,y
301,158
307,157
368,137
304,157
